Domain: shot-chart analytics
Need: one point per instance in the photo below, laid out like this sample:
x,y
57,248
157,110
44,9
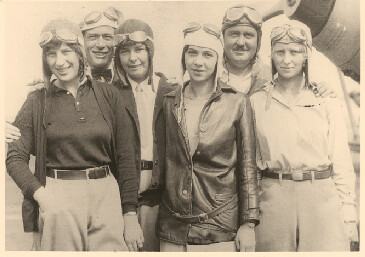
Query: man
x,y
143,93
241,29
98,29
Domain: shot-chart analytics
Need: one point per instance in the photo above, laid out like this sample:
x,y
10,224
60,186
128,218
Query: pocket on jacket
x,y
228,219
222,198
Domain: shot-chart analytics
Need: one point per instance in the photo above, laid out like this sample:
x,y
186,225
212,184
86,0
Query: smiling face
x,y
240,45
99,46
63,62
200,62
134,59
289,59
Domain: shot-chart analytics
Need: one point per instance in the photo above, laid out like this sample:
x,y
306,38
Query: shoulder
x,y
334,106
35,97
108,90
259,97
36,94
173,93
165,84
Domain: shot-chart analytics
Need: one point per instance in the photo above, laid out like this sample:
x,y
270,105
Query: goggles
x,y
236,14
137,36
63,35
94,17
209,28
296,34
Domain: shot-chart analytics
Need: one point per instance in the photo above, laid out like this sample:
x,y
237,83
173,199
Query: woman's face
x,y
200,62
288,59
63,62
134,60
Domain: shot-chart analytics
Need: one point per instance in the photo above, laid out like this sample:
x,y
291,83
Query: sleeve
x,y
343,171
19,151
247,175
125,155
161,146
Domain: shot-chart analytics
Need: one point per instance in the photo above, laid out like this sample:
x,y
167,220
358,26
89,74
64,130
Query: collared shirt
x,y
111,68
78,137
252,82
145,101
241,84
305,136
192,112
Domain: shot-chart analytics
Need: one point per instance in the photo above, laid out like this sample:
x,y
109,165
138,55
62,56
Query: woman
x,y
210,197
81,136
307,201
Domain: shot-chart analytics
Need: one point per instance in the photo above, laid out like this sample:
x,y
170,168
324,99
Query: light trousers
x,y
300,216
88,216
166,246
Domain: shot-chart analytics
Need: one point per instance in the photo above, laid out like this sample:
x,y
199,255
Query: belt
x,y
298,176
146,165
204,216
91,173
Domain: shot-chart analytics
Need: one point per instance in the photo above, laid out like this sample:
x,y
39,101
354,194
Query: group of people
x,y
237,157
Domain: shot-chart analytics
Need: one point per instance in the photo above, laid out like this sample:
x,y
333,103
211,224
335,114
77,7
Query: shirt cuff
x,y
349,212
129,207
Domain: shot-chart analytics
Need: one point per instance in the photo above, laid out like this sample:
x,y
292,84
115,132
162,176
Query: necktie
x,y
141,99
102,75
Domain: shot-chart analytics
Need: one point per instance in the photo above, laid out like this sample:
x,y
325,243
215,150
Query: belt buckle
x,y
297,176
202,217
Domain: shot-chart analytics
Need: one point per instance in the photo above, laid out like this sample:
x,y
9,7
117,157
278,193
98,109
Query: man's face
x,y
240,45
99,46
135,62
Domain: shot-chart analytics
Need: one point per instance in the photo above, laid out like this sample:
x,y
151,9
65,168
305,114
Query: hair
x,y
56,44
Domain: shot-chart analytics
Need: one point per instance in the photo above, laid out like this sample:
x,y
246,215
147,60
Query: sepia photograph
x,y
181,126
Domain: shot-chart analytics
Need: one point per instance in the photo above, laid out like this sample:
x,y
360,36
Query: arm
x,y
127,180
19,151
343,172
247,181
161,151
11,132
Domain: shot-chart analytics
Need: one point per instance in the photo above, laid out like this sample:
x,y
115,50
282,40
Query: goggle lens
x,y
294,33
237,13
111,14
92,18
137,36
96,16
64,35
209,28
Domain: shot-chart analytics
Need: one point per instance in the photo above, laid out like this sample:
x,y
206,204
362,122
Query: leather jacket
x,y
223,167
